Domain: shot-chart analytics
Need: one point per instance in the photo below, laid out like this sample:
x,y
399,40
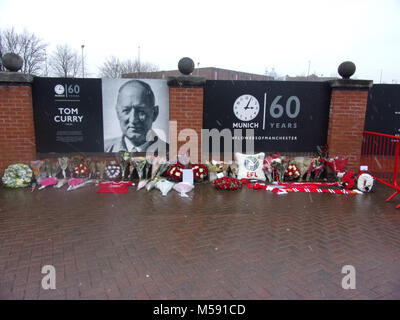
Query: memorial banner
x,y
99,115
285,115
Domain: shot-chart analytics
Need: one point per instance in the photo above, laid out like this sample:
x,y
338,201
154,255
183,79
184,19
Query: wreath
x,y
81,170
113,171
17,176
227,183
175,172
200,172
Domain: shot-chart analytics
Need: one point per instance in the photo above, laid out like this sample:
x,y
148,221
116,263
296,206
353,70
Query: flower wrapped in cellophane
x,y
214,168
140,164
63,163
279,165
159,167
124,161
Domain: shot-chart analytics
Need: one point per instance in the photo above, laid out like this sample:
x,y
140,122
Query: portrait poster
x,y
112,130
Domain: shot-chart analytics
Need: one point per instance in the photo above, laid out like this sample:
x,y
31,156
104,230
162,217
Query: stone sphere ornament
x,y
12,62
346,69
186,65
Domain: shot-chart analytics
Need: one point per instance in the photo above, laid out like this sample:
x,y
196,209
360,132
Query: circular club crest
x,y
251,163
246,107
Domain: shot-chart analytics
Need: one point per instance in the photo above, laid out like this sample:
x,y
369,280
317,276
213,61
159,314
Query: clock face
x,y
246,107
59,89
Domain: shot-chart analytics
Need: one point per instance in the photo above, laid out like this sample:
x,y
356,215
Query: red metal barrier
x,y
380,152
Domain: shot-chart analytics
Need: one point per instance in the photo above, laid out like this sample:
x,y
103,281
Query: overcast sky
x,y
249,36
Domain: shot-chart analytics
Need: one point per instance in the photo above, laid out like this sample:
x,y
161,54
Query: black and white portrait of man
x,y
135,115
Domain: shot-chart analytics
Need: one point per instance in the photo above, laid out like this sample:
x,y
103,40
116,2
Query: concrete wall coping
x,y
186,81
349,84
15,77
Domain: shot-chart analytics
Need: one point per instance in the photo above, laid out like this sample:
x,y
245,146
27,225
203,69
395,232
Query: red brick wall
x,y
186,108
346,125
17,136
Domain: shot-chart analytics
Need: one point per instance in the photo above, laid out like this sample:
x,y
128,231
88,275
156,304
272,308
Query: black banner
x,y
68,115
383,109
287,116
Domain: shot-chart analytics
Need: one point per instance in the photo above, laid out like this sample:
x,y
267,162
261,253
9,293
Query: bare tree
x,y
111,68
65,62
114,68
31,49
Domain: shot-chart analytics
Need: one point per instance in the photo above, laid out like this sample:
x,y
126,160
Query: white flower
x,y
178,174
341,174
290,173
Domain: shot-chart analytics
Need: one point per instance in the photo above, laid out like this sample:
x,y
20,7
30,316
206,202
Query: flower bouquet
x,y
267,168
47,167
76,183
164,186
63,163
292,172
227,183
159,167
279,165
302,164
55,168
175,172
91,165
214,167
101,167
124,161
17,176
73,163
200,172
46,182
37,168
81,171
140,164
183,188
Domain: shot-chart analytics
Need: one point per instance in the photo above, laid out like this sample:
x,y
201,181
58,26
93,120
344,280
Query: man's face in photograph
x,y
136,111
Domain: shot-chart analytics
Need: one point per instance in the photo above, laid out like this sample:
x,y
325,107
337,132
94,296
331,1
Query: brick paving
x,y
248,244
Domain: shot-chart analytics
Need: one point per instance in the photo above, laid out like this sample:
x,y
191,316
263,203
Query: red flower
x,y
81,170
200,172
227,183
175,171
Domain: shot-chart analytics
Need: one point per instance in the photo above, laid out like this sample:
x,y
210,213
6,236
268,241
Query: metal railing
x,y
380,152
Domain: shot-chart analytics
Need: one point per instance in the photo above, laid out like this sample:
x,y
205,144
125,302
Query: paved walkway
x,y
248,244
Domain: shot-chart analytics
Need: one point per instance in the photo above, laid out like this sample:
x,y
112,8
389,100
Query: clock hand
x,y
247,107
